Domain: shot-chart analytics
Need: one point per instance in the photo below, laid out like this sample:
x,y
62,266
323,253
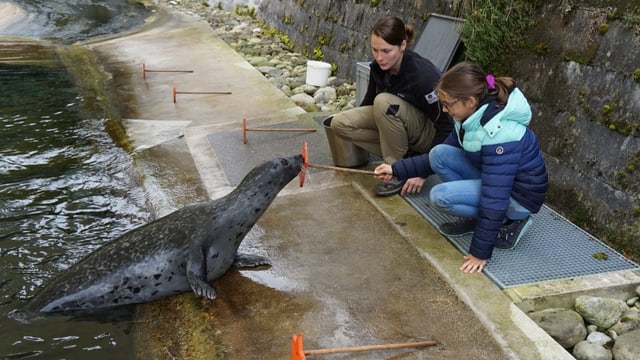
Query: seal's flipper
x,y
200,287
196,274
250,260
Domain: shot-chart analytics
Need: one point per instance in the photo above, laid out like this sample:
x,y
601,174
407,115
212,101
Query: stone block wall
x,y
337,31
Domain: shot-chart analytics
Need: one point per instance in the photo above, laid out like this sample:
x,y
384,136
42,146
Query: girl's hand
x,y
472,264
413,185
383,172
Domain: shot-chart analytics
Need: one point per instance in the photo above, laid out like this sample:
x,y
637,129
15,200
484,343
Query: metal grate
x,y
552,248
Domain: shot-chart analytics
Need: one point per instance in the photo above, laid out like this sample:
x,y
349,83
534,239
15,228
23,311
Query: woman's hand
x,y
383,172
472,264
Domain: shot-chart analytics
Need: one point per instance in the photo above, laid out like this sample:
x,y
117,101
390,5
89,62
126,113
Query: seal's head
x,y
273,174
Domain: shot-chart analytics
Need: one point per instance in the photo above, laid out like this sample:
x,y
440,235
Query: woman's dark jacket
x,y
416,79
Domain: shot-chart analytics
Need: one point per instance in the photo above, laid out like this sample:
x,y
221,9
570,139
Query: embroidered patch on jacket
x,y
499,150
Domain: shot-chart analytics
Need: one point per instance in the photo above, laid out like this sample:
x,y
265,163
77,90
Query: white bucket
x,y
318,73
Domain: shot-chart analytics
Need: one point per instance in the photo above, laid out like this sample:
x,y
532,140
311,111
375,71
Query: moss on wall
x,y
98,86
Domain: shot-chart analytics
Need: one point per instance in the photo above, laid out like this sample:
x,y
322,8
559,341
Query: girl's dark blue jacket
x,y
497,141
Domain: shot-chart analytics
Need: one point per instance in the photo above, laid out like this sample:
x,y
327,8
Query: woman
x,y
493,173
399,113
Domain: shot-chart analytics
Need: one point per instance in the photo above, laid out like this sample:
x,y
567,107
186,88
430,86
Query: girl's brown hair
x,y
465,80
393,30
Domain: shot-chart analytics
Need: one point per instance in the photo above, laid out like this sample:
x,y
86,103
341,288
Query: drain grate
x,y
552,248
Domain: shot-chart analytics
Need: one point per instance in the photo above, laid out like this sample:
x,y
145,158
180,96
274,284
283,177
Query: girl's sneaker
x,y
460,227
511,232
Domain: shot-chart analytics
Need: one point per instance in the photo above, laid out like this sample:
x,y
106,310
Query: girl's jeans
x,y
459,192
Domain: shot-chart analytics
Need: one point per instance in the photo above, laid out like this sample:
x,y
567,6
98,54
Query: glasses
x,y
447,106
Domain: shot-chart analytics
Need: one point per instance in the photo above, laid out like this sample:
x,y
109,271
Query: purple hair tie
x,y
491,82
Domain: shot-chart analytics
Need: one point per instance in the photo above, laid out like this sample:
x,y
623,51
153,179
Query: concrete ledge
x,y
562,293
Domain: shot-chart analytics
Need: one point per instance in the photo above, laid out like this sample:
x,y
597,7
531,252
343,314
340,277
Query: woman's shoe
x,y
387,189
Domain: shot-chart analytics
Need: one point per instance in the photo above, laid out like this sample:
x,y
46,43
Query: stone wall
x,y
577,70
337,31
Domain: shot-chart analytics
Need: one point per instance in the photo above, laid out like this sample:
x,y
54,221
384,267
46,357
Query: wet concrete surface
x,y
348,269
333,281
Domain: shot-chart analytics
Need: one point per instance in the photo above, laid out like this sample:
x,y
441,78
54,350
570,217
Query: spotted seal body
x,y
184,250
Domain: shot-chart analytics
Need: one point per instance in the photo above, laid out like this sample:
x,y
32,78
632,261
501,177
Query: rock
x,y
633,301
302,99
600,311
325,95
630,320
627,346
591,328
598,338
585,350
305,88
258,61
305,101
563,325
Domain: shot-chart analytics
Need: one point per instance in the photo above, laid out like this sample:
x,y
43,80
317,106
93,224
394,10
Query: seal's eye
x,y
285,162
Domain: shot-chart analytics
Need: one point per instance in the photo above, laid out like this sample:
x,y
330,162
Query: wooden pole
x,y
370,348
175,92
245,129
145,71
337,168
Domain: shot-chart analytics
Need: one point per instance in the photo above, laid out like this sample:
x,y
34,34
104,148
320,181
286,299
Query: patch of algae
x,y
96,84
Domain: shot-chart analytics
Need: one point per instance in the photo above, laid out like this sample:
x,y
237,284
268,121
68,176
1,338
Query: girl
x,y
493,174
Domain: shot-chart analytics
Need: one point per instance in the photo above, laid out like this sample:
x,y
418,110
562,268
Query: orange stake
x,y
298,353
175,92
145,71
245,129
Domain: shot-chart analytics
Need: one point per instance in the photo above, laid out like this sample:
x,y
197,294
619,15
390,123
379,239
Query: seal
x,y
184,250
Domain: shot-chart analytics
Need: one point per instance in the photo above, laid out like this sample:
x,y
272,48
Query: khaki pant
x,y
388,128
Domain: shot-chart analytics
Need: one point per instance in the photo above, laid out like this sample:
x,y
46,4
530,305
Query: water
x,y
65,188
68,20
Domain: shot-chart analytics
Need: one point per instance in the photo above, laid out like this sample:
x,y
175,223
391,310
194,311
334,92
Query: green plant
x,y
631,20
317,53
572,119
542,49
636,75
493,29
603,28
374,3
322,39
